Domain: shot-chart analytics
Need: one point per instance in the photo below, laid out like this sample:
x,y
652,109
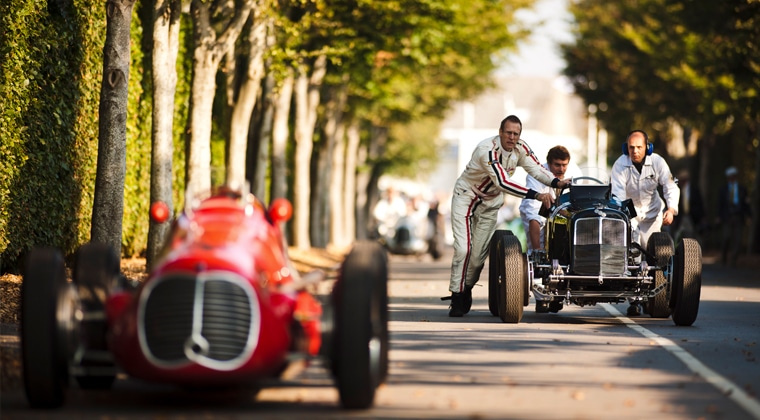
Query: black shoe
x,y
555,306
467,295
542,307
457,308
633,310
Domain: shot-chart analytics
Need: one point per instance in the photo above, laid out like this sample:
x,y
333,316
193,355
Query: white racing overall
x,y
473,218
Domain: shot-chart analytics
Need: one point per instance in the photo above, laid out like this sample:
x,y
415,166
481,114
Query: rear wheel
x,y
688,282
495,269
96,274
360,301
660,245
511,289
47,306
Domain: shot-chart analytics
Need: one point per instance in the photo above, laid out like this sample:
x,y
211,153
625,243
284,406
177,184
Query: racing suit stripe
x,y
505,182
468,223
529,153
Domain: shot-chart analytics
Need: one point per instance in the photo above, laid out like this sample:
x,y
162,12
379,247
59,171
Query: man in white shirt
x,y
636,175
558,163
388,211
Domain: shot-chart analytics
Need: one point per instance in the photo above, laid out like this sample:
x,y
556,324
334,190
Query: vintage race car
x,y
222,308
590,258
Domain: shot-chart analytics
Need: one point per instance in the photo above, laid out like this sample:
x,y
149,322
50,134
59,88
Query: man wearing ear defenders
x,y
478,195
636,175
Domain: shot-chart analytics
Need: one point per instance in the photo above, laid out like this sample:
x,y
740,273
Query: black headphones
x,y
650,146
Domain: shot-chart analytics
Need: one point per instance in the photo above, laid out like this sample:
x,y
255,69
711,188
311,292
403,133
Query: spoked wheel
x,y
687,282
660,245
96,275
495,269
511,289
48,305
360,349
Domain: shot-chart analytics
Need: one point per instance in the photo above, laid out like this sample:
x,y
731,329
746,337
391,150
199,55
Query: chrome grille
x,y
600,246
226,319
212,319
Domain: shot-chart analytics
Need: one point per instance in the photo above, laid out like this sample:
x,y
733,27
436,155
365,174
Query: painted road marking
x,y
726,387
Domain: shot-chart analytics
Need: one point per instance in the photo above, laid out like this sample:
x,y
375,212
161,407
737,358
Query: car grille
x,y
211,319
600,246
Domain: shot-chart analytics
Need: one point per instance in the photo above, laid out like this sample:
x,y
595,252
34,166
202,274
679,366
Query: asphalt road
x,y
581,363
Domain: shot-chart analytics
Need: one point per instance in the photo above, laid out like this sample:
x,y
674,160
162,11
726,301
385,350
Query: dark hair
x,y
557,153
512,119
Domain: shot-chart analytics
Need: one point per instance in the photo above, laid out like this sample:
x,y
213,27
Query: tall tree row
x,y
323,73
654,64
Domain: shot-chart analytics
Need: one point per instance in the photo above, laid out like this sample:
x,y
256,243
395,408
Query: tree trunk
x,y
259,177
376,148
209,48
108,200
280,134
320,179
166,14
328,196
337,216
307,99
754,238
362,180
351,191
202,98
246,101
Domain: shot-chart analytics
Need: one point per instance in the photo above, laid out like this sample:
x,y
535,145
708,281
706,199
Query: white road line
x,y
728,388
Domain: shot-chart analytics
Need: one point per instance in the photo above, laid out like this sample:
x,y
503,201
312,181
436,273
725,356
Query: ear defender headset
x,y
650,146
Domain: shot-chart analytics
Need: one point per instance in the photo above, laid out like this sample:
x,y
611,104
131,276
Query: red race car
x,y
222,307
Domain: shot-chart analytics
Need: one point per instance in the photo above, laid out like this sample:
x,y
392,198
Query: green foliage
x,y
412,149
47,113
649,61
137,180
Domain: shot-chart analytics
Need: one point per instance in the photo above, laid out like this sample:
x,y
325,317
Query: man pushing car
x,y
477,197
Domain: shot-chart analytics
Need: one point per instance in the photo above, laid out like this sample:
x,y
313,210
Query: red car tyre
x,y
96,274
45,305
360,348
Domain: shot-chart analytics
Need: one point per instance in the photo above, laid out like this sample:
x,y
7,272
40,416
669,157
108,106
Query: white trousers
x,y
473,222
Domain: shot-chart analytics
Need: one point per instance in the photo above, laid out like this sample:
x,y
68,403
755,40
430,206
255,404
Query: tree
x,y
108,205
209,49
166,25
246,97
646,63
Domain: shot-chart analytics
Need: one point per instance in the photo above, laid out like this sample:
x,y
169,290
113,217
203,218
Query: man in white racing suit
x,y
476,201
636,175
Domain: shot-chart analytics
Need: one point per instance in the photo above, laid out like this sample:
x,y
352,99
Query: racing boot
x,y
542,307
633,310
457,308
467,298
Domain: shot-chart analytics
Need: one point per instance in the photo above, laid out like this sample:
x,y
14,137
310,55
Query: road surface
x,y
581,363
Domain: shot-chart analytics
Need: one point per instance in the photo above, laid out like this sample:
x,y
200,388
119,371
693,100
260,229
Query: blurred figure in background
x,y
733,210
690,220
388,211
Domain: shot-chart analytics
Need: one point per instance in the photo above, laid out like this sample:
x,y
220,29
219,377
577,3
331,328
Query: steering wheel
x,y
587,178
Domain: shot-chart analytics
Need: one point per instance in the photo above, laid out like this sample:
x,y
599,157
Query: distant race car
x,y
590,258
222,307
